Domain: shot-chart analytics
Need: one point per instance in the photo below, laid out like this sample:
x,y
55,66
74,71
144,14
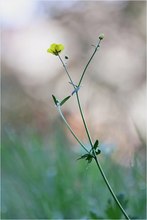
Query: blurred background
x,y
41,177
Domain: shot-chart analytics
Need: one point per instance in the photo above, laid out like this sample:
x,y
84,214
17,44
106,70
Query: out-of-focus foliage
x,y
42,178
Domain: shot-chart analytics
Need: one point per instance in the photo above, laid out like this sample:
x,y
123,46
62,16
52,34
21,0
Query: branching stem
x,y
110,189
75,136
86,127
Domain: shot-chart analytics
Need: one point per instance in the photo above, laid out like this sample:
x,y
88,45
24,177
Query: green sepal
x,y
95,146
64,100
55,100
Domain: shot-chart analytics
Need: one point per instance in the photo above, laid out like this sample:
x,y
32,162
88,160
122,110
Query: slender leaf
x,y
83,156
87,157
95,146
55,100
64,100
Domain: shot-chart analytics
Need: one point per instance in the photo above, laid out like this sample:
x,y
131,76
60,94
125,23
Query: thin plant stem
x,y
75,136
97,161
96,48
87,131
78,99
83,119
64,66
90,140
109,187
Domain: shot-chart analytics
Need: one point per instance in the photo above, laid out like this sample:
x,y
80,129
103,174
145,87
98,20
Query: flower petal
x,y
60,47
49,50
55,48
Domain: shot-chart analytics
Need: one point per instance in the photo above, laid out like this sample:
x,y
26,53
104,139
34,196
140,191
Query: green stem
x,y
87,131
90,140
62,116
66,71
109,187
83,119
78,99
96,48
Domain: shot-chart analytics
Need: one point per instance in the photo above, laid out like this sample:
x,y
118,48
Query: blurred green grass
x,y
41,179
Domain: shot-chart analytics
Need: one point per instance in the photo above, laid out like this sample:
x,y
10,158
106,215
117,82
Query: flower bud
x,y
101,36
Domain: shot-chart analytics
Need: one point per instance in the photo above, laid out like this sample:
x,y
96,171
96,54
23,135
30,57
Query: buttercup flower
x,y
55,49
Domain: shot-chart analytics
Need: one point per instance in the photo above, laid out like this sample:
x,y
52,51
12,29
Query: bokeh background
x,y
41,177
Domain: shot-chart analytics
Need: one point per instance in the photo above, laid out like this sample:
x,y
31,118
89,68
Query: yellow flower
x,y
55,49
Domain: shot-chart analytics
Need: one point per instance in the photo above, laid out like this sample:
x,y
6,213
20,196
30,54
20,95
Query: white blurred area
x,y
113,90
16,13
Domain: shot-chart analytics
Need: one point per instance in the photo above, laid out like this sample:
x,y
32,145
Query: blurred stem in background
x,y
88,156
